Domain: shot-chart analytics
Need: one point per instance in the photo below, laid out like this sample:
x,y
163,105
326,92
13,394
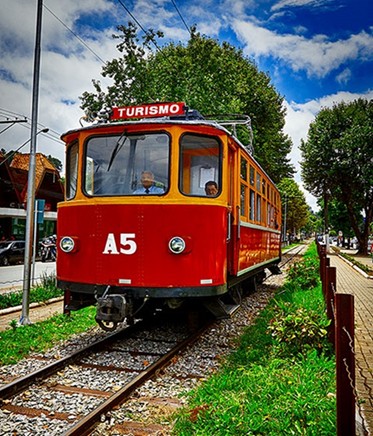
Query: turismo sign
x,y
148,111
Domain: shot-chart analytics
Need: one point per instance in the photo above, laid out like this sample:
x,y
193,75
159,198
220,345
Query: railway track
x,y
123,361
68,402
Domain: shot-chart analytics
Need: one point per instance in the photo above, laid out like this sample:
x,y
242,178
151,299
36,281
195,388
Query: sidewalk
x,y
362,259
351,281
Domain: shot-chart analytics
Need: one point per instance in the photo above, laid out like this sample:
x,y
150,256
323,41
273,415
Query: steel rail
x,y
86,425
23,383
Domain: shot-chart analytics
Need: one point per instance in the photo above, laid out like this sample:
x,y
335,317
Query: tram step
x,y
219,309
275,269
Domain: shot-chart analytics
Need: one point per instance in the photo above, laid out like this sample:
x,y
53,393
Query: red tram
x,y
139,229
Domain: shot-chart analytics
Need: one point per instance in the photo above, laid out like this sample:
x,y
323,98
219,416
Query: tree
x,y
295,214
337,161
210,77
339,220
55,162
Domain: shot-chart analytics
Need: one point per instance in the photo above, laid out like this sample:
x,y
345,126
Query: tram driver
x,y
211,188
148,184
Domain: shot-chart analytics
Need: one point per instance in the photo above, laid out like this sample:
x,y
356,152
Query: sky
x,y
316,52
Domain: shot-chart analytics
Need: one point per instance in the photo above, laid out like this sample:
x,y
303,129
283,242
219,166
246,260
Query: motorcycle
x,y
48,249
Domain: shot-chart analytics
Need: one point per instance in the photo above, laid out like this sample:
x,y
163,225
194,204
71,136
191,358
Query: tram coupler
x,y
111,309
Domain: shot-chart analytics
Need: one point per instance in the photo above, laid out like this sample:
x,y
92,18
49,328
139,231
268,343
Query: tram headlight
x,y
67,244
177,245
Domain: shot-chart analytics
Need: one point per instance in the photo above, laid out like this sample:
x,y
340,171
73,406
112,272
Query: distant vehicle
x,y
11,252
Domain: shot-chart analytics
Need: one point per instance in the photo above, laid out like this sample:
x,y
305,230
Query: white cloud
x,y
344,76
318,56
298,119
300,3
67,67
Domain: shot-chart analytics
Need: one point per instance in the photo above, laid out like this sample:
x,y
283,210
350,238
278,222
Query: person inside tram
x,y
211,188
148,185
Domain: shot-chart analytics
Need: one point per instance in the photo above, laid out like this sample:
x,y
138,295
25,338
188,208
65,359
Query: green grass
x,y
21,341
43,292
273,384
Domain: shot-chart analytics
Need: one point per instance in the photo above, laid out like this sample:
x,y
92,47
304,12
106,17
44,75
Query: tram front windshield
x,y
135,164
115,165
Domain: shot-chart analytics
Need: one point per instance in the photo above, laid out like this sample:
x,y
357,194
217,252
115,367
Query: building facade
x,y
13,195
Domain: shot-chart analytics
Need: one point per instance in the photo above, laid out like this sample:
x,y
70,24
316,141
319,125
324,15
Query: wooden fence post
x,y
345,363
331,289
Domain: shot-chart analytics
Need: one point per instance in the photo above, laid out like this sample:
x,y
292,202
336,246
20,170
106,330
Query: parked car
x,y
11,252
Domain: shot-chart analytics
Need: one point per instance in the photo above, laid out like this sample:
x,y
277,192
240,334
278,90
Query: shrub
x,y
305,274
298,330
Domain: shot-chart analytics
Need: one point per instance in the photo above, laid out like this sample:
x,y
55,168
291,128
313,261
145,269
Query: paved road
x,y
11,277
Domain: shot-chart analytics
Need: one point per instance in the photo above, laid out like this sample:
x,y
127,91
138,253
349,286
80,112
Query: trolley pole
x,y
24,320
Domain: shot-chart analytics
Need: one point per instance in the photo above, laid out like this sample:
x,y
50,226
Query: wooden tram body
x,y
126,251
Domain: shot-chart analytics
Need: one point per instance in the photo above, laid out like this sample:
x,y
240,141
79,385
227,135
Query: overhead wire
x,y
51,134
76,36
181,17
7,114
138,23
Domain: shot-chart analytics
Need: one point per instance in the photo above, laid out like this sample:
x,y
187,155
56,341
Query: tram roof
x,y
156,121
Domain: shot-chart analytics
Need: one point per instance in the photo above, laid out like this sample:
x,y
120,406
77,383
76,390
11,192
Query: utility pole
x,y
24,320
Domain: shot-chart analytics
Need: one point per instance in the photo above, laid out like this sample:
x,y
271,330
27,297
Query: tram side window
x,y
200,162
243,169
252,205
252,176
244,187
258,178
258,207
71,170
114,164
243,199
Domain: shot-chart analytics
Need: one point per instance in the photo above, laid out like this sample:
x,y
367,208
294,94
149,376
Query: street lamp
x,y
46,130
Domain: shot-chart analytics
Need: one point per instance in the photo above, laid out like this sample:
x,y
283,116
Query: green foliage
x,y
270,386
45,291
339,219
211,77
297,211
304,274
55,162
297,330
19,342
339,149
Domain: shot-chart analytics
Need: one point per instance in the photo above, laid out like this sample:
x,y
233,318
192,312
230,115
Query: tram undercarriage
x,y
116,305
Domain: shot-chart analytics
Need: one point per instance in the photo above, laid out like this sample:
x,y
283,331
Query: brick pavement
x,y
352,282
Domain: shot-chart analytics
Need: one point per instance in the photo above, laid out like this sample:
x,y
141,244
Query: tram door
x,y
233,211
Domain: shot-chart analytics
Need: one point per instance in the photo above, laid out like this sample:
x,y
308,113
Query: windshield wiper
x,y
117,149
